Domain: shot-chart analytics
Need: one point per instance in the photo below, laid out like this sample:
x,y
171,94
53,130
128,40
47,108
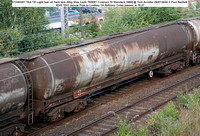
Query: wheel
x,y
151,74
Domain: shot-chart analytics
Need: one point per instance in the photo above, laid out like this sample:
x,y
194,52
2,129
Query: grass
x,y
181,120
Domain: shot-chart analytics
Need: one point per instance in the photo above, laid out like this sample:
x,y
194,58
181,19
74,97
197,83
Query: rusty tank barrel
x,y
68,70
13,88
194,24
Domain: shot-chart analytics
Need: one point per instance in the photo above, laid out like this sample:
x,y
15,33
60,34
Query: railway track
x,y
106,125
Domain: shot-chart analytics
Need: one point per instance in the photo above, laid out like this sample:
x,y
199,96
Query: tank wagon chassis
x,y
57,80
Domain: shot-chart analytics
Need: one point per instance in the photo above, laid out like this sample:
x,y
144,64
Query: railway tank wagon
x,y
64,76
53,81
14,90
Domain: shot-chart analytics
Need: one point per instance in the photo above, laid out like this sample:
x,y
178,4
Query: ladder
x,y
28,79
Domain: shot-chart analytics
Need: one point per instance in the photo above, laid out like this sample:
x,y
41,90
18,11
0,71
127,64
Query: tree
x,y
31,20
21,29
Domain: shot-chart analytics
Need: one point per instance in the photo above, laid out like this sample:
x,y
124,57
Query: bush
x,y
114,22
9,42
124,127
189,100
157,121
91,30
170,121
131,18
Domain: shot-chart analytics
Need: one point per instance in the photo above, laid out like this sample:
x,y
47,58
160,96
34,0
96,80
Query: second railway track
x,y
107,124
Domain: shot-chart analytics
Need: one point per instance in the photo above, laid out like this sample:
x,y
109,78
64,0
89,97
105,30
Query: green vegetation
x,y
183,120
131,18
20,28
24,29
124,127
